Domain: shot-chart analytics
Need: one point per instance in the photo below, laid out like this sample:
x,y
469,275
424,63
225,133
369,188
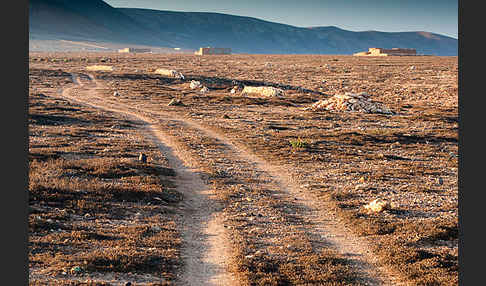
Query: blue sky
x,y
436,16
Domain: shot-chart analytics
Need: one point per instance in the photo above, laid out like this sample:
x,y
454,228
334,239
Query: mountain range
x,y
97,21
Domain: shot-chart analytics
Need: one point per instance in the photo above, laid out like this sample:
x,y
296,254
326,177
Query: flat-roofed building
x,y
134,50
380,52
213,51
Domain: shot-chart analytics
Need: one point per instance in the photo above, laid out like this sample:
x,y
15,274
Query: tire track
x,y
205,244
326,230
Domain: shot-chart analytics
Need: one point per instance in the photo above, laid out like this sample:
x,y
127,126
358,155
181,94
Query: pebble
x,y
204,90
377,206
174,102
234,89
142,158
361,187
195,84
76,269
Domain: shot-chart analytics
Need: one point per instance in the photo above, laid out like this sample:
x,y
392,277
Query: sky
x,y
436,16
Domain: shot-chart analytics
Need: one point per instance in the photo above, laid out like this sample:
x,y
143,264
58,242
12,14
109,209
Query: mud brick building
x,y
134,50
213,51
388,52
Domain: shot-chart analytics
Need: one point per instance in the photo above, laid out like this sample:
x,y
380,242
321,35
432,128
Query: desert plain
x,y
241,189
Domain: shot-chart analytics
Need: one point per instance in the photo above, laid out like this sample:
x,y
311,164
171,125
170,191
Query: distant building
x,y
379,52
213,51
134,50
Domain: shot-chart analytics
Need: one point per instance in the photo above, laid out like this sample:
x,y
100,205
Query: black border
x,y
14,191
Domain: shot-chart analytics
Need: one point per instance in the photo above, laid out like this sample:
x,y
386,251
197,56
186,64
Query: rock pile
x,y
350,102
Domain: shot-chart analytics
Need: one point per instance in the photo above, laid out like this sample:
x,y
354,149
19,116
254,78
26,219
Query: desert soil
x,y
258,210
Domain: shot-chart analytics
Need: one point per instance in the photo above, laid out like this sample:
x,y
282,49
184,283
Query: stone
x,y
265,91
234,89
195,84
99,68
377,206
204,90
142,158
175,102
76,270
362,186
169,73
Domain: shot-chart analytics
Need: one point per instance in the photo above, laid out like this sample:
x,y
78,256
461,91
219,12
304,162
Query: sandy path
x,y
327,226
205,245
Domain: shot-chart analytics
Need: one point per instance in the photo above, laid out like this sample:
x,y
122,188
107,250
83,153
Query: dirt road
x,y
205,248
206,243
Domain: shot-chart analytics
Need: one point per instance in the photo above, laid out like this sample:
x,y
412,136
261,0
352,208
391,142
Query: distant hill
x,y
94,20
88,20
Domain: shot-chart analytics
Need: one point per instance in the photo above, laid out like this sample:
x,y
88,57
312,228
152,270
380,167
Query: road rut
x,y
206,247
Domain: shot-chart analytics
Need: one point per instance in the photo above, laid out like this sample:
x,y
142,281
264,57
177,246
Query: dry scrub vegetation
x,y
97,215
408,159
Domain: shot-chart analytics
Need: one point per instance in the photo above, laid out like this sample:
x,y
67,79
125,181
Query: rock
x,y
143,158
266,91
99,68
363,186
169,73
377,206
234,89
175,102
76,270
195,84
204,90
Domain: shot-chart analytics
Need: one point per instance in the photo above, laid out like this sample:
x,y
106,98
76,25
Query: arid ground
x,y
241,189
